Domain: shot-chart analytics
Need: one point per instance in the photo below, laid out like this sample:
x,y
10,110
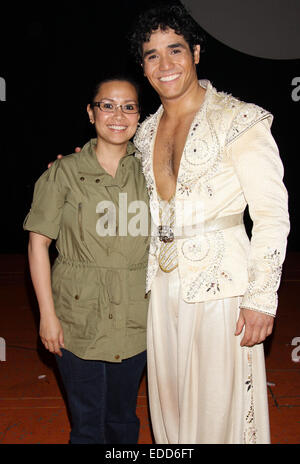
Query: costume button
x,y
97,181
110,316
82,179
117,356
76,297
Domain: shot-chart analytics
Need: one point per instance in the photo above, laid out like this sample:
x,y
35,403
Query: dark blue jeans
x,y
102,398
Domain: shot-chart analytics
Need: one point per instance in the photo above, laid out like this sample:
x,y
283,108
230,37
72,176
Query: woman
x,y
92,304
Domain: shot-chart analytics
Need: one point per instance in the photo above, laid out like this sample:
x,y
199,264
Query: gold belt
x,y
168,259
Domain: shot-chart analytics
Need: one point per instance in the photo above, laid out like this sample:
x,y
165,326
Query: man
x,y
213,293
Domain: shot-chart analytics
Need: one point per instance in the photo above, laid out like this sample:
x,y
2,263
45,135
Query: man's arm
x,y
258,166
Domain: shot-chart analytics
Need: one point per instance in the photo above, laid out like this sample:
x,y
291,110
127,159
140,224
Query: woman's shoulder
x,y
72,160
56,171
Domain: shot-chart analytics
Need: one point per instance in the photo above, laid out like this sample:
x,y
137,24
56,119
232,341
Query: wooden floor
x,y
32,408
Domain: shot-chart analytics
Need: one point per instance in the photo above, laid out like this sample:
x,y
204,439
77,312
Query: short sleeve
x,y
48,200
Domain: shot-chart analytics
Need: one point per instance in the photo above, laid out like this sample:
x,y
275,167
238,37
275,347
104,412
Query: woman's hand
x,y
51,331
51,334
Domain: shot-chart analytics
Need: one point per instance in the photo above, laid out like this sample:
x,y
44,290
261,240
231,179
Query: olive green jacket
x,y
98,281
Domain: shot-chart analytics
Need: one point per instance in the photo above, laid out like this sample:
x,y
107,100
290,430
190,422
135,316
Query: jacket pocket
x,y
80,222
138,302
137,284
114,286
76,305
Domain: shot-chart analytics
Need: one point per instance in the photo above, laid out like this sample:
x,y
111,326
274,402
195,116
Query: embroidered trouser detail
x,y
198,372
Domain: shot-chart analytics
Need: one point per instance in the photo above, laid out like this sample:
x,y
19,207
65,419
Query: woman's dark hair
x,y
165,16
115,77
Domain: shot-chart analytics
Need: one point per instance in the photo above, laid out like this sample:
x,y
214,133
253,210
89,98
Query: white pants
x,y
203,386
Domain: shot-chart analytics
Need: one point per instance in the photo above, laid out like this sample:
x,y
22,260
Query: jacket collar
x,y
88,158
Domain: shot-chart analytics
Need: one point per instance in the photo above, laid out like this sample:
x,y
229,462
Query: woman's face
x,y
116,127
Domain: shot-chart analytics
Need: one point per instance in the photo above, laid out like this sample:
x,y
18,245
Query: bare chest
x,y
169,145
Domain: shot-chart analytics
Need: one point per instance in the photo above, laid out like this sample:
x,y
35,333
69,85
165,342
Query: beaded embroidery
x,y
250,428
201,155
168,259
271,282
221,119
209,249
248,115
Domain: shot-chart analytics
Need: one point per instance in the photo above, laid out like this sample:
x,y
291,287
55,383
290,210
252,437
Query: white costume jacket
x,y
230,160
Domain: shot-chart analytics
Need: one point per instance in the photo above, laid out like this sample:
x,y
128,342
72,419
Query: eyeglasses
x,y
108,107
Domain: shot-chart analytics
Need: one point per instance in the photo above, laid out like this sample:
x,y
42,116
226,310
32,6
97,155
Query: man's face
x,y
169,64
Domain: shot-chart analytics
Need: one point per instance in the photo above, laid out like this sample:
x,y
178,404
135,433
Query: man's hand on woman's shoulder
x,y
60,156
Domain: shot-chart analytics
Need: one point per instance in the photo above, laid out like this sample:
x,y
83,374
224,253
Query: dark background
x,y
50,56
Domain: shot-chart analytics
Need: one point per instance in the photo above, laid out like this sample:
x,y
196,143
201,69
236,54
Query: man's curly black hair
x,y
166,16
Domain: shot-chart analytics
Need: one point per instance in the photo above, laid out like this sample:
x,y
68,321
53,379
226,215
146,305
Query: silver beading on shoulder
x,y
247,115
